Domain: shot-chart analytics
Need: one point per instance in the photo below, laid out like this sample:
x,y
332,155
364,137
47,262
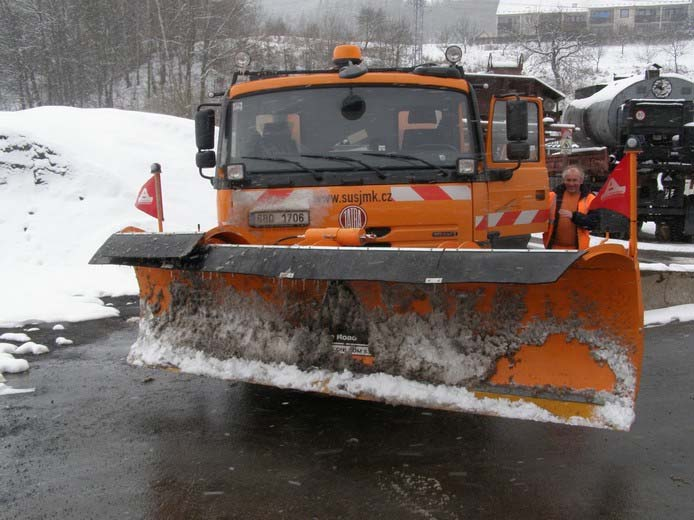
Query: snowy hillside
x,y
68,179
599,66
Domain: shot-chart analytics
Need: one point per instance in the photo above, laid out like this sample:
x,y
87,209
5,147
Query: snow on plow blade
x,y
542,335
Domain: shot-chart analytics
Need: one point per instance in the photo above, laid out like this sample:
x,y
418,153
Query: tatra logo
x,y
145,197
352,217
613,189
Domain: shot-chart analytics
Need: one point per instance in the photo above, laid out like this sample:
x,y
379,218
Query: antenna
x,y
418,31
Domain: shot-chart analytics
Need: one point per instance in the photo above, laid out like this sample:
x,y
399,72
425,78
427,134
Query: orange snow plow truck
x,y
372,243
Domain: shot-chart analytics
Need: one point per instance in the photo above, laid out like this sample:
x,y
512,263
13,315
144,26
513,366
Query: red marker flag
x,y
147,199
615,193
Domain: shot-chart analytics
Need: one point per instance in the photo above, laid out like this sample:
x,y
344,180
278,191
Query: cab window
x,y
499,139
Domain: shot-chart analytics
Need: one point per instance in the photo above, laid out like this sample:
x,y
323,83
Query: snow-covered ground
x,y
89,164
68,179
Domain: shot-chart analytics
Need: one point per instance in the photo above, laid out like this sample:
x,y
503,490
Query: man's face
x,y
572,181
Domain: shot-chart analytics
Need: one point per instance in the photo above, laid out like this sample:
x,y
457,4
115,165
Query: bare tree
x,y
91,52
622,38
565,53
675,46
370,23
397,40
598,53
223,35
648,52
333,31
465,32
17,51
308,32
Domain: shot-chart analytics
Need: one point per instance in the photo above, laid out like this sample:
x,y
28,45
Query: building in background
x,y
601,17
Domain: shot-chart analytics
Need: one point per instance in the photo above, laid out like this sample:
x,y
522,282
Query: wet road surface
x,y
101,439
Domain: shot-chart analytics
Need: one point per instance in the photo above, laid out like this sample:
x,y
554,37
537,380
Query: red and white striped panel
x,y
399,194
271,196
274,195
417,193
511,218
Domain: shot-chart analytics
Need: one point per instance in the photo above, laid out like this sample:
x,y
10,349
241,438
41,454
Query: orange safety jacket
x,y
583,204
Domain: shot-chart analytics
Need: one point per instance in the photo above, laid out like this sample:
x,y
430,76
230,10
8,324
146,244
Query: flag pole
x,y
156,170
631,152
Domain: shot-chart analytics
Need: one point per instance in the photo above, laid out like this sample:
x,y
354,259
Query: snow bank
x,y
68,180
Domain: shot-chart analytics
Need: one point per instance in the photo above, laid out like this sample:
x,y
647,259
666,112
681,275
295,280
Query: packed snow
x,y
384,387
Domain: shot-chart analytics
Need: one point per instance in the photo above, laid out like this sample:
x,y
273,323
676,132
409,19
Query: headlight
x,y
236,172
632,142
465,166
454,54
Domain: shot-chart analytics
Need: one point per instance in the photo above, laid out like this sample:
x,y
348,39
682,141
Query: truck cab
x,y
401,154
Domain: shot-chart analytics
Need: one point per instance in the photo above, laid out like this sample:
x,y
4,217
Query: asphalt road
x,y
101,439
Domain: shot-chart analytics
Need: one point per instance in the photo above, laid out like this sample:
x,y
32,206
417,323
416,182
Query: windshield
x,y
372,129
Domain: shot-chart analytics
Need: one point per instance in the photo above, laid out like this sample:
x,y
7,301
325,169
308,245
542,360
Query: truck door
x,y
517,191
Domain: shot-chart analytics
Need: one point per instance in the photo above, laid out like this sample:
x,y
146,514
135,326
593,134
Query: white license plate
x,y
279,218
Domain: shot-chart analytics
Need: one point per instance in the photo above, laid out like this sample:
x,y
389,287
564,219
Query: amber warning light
x,y
344,54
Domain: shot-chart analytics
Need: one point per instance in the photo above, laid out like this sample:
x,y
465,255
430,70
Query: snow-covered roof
x,y
558,93
552,6
538,6
615,87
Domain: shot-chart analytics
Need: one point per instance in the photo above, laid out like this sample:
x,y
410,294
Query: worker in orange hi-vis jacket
x,y
570,219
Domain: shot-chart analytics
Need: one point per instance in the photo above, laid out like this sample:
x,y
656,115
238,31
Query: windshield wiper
x,y
315,174
342,158
406,157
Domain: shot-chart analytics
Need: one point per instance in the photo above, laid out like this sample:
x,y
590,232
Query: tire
x,y
517,242
662,231
677,231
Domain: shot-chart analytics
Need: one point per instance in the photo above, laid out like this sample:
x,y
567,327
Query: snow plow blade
x,y
551,336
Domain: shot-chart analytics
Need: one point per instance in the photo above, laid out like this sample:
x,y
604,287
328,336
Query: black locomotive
x,y
658,109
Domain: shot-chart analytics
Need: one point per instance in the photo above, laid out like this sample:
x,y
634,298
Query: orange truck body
x,y
360,267
426,215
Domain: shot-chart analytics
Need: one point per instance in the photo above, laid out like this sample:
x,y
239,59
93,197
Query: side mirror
x,y
206,159
204,129
517,151
516,120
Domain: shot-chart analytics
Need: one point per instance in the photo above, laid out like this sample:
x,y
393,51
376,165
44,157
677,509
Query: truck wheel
x,y
662,231
517,242
677,231
688,219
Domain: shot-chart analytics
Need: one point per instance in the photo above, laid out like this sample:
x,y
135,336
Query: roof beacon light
x,y
344,54
454,54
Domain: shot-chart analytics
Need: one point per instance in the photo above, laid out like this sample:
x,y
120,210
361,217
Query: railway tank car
x,y
656,108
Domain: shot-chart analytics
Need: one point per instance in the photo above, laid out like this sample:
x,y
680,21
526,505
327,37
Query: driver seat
x,y
413,138
277,139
